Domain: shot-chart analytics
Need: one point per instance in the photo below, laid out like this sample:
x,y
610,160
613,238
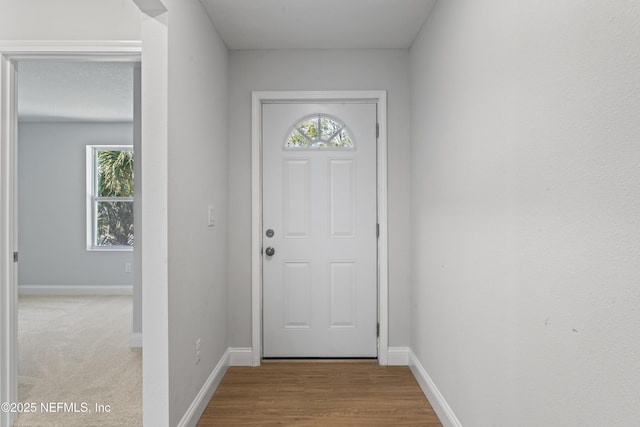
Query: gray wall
x,y
197,178
52,207
525,206
386,69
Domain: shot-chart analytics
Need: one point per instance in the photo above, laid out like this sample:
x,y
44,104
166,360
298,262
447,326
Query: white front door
x,y
319,236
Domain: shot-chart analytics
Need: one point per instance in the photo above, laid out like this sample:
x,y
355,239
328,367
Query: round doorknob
x,y
270,251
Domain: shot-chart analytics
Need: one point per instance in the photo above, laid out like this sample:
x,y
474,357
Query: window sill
x,y
110,249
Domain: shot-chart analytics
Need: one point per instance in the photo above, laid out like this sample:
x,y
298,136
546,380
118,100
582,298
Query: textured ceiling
x,y
328,24
75,91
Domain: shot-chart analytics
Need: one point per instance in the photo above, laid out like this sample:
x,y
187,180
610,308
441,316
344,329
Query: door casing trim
x,y
258,98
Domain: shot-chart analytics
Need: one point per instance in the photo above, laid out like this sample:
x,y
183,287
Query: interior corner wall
x,y
338,69
197,179
154,224
69,20
52,209
525,206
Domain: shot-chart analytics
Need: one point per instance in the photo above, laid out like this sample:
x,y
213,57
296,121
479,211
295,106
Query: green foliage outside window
x,y
114,199
319,132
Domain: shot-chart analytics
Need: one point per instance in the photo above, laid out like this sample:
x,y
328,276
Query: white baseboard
x,y
199,404
240,356
75,290
135,340
398,356
437,400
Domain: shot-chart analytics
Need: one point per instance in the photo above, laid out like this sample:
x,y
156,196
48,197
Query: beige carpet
x,y
74,354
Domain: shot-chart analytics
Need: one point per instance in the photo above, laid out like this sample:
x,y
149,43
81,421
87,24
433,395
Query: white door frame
x,y
262,97
10,52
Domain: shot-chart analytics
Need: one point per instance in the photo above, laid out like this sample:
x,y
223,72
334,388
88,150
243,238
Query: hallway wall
x,y
365,69
525,207
197,178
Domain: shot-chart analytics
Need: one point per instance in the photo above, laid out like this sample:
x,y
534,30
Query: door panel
x,y
343,295
320,284
296,198
296,292
342,201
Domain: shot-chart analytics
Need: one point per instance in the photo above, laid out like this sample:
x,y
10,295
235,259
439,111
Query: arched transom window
x,y
319,131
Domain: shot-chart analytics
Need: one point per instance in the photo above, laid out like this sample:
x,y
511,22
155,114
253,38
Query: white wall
x,y
154,226
525,207
52,207
69,20
197,173
313,70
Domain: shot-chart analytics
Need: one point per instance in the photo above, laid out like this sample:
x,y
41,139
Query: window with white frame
x,y
110,197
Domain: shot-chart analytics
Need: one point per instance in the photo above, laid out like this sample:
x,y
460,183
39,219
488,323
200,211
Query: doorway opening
x,y
75,301
11,57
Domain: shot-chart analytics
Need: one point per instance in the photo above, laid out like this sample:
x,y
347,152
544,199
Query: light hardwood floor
x,y
317,393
